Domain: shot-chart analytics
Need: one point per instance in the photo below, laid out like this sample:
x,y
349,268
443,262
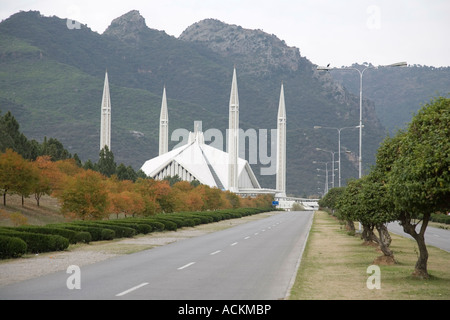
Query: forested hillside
x,y
52,80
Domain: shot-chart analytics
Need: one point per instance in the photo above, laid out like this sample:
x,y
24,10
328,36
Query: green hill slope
x,y
52,80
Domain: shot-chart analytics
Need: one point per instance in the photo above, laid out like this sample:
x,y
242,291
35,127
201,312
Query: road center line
x,y
186,265
247,238
234,243
215,252
132,289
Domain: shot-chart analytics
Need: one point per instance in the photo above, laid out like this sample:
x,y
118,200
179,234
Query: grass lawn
x,y
334,267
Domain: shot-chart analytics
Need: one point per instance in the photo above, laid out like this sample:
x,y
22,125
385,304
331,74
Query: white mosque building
x,y
211,166
205,163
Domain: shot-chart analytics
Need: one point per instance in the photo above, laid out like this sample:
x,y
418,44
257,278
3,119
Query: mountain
x,y
52,75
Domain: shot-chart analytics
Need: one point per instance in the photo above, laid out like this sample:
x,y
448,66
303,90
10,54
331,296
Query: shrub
x,y
69,234
37,243
12,247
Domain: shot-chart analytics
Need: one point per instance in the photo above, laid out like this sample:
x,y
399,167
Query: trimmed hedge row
x,y
37,242
441,218
15,241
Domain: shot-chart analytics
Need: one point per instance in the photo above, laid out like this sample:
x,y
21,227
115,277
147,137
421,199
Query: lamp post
x,y
361,73
332,162
326,175
339,143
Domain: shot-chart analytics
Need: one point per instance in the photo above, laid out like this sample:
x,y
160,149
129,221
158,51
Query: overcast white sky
x,y
326,31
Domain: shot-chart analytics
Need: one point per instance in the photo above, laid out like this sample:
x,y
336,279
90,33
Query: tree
x,y
85,196
45,173
330,199
106,164
54,149
15,174
375,211
419,179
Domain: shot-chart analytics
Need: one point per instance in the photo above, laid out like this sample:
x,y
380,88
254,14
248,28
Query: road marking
x,y
186,265
132,289
234,243
215,252
248,237
256,233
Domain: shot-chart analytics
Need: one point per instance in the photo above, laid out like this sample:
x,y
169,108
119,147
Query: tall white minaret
x,y
105,124
281,146
233,136
164,126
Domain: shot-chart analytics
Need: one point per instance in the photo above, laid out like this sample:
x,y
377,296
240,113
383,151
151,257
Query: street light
x,y
326,175
361,73
332,161
339,143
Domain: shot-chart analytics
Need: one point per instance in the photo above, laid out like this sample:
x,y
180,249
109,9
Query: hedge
x,y
12,247
15,241
72,235
38,243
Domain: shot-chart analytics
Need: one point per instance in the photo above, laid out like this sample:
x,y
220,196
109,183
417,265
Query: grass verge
x,y
334,267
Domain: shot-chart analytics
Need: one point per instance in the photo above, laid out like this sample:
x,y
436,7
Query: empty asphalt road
x,y
256,260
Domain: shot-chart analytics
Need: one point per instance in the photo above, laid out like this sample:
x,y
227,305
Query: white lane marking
x,y
248,237
132,289
186,265
256,233
234,243
215,252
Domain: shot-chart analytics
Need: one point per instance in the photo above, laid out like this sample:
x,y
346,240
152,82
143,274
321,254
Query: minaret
x,y
105,124
281,146
233,136
164,126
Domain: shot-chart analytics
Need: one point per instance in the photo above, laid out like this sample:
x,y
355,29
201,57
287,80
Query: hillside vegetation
x,y
52,81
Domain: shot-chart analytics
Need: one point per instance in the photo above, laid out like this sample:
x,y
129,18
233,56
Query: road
x,y
253,261
436,237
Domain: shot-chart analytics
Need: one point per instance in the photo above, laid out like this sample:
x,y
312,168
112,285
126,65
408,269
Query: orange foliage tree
x,y
85,196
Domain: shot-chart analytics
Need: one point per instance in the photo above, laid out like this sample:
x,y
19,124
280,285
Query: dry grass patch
x,y
334,267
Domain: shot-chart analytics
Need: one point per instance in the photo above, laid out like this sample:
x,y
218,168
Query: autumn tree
x,y
85,196
16,174
45,173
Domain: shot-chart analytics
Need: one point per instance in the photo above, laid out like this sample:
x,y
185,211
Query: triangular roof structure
x,y
199,161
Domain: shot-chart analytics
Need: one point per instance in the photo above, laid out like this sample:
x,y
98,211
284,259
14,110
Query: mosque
x,y
205,163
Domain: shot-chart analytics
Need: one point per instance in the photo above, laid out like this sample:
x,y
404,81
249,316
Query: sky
x,y
339,32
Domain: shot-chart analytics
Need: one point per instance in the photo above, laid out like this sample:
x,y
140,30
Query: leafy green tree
x,y
55,149
330,199
12,138
419,178
106,164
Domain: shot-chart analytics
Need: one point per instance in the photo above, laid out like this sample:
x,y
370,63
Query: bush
x,y
96,233
69,234
37,243
12,247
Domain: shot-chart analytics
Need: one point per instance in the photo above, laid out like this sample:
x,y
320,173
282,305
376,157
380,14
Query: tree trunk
x,y
384,234
384,241
421,264
351,226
